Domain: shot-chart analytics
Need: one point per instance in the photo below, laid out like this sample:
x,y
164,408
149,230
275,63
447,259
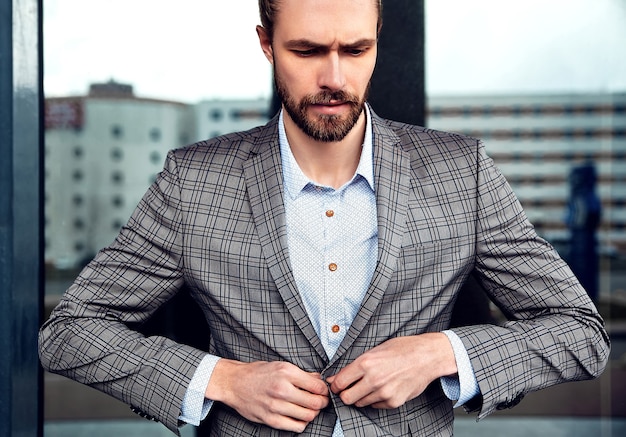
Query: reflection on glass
x,y
104,147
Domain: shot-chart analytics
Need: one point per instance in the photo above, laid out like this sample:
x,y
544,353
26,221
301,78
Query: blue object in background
x,y
583,218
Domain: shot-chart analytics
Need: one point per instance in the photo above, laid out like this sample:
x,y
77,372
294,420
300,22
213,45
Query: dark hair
x,y
269,8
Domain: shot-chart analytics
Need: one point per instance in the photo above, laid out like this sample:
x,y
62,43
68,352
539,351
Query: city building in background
x,y
537,141
104,149
217,117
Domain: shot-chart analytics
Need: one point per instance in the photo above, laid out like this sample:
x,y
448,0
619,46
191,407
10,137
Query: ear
x,y
266,43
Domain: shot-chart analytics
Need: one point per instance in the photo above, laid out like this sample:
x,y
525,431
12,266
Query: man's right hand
x,y
277,394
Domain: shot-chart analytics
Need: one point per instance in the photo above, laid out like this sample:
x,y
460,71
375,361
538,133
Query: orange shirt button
x,y
332,267
335,328
330,213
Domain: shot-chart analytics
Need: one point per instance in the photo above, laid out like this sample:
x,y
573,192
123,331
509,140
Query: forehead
x,y
324,21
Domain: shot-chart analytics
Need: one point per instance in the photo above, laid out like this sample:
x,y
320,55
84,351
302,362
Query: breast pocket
x,y
426,271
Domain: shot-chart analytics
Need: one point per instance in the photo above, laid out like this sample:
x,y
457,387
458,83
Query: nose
x,y
331,76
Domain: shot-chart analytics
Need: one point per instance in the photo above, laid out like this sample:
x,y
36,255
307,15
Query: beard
x,y
322,127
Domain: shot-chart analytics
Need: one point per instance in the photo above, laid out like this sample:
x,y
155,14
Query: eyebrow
x,y
305,43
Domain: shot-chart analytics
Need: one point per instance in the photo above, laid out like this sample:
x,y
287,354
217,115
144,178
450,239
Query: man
x,y
326,250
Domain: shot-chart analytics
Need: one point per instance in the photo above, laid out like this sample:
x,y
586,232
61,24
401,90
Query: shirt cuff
x,y
463,387
195,406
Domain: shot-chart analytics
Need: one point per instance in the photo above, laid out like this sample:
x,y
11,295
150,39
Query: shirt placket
x,y
333,325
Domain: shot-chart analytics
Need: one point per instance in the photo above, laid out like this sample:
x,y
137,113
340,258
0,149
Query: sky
x,y
193,50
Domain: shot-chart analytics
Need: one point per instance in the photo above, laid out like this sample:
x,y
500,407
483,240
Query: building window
x,y
117,201
79,224
117,224
155,157
117,154
78,175
116,131
216,114
117,177
77,200
155,134
78,152
79,246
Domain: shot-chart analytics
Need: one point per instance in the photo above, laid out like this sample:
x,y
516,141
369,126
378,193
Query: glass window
x,y
78,152
216,114
155,157
116,131
155,134
117,201
117,177
78,175
117,154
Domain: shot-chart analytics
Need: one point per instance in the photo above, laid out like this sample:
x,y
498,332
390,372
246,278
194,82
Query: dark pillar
x,y
398,90
21,270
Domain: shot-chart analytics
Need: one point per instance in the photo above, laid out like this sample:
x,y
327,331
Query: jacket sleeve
x,y
87,337
553,332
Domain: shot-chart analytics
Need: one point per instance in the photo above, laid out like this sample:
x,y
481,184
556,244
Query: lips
x,y
330,108
334,103
330,104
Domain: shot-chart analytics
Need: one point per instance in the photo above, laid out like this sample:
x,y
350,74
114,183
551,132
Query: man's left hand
x,y
395,371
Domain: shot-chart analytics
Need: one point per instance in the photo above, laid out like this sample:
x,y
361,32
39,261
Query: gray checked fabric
x,y
214,221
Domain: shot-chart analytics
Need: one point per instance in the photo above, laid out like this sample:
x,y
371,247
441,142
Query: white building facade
x,y
102,151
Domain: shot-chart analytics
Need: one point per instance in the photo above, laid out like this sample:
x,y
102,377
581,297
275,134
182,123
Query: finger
x,y
295,411
313,383
346,378
374,400
356,393
287,423
305,399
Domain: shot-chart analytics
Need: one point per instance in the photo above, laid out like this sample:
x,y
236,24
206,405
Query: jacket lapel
x,y
392,182
264,181
263,175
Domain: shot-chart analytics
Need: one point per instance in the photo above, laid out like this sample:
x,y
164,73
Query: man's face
x,y
323,53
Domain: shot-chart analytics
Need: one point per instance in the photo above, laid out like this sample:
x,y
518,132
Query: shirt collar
x,y
294,178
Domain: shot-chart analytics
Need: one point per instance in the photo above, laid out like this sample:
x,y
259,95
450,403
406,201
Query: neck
x,y
326,163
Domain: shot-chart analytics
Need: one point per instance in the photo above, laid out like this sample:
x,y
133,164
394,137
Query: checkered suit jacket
x,y
214,221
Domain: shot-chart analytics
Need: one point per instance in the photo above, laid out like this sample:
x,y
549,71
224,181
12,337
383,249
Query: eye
x,y
305,53
353,51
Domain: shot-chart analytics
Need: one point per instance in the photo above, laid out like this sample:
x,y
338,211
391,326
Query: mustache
x,y
326,97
